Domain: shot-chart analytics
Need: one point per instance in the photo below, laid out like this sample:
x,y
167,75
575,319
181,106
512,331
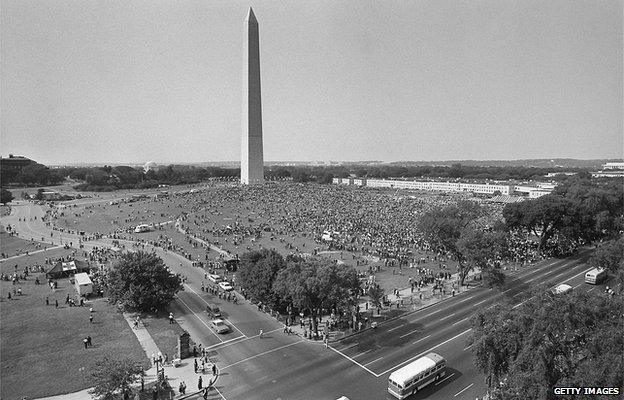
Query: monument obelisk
x,y
252,160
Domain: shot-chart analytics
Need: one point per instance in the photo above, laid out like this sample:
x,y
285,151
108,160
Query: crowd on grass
x,y
303,219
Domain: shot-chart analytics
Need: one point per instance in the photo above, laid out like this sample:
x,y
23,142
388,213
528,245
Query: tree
x,y
39,195
484,250
141,281
552,340
314,284
257,272
543,217
442,228
113,376
5,196
610,256
376,293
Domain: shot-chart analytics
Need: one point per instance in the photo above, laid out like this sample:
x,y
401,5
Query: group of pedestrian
x,y
87,342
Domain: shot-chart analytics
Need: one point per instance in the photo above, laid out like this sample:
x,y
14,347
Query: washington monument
x,y
252,160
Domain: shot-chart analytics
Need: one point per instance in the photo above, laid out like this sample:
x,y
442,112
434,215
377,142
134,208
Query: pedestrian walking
x,y
89,341
196,365
171,318
200,384
55,303
47,301
214,369
91,318
260,334
84,341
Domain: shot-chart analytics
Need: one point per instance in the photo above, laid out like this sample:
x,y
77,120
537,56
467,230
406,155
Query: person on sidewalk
x,y
182,388
200,383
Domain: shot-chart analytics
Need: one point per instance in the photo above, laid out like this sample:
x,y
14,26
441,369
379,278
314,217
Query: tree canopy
x,y
141,281
314,284
580,210
113,376
256,273
571,339
484,250
442,228
5,196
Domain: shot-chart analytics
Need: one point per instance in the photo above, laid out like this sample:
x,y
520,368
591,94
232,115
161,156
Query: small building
x,y
83,284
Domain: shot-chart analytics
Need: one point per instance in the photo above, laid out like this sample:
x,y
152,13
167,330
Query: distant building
x,y
495,188
610,170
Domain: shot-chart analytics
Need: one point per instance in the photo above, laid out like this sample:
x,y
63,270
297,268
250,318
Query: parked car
x,y
219,326
226,286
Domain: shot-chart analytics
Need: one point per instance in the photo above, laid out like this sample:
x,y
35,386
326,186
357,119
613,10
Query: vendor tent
x,y
63,269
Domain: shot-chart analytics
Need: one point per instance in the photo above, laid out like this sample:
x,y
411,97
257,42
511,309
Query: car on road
x,y
213,310
225,285
561,289
219,326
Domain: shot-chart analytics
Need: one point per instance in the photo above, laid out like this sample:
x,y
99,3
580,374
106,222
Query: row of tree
x,y
109,178
580,210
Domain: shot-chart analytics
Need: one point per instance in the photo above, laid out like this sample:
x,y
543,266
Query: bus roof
x,y
414,368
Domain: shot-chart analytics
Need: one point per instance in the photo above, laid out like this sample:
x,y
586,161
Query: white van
x,y
214,278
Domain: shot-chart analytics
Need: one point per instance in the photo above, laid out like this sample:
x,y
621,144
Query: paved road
x,y
279,366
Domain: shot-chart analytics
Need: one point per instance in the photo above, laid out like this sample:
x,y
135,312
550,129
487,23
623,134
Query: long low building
x,y
441,186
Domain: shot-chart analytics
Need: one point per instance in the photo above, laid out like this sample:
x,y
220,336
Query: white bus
x,y
416,375
595,276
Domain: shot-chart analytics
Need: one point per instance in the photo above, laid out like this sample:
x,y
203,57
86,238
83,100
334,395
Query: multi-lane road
x,y
281,366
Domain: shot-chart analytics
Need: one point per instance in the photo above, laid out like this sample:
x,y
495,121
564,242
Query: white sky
x,y
132,81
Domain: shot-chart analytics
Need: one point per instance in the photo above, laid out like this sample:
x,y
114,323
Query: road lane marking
x,y
483,301
362,353
467,298
240,338
261,354
461,320
422,354
370,362
463,390
409,333
220,394
355,362
466,348
590,290
396,327
448,316
224,342
447,377
349,347
421,339
200,320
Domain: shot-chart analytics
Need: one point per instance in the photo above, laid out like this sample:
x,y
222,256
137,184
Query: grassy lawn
x,y
44,342
165,335
13,245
